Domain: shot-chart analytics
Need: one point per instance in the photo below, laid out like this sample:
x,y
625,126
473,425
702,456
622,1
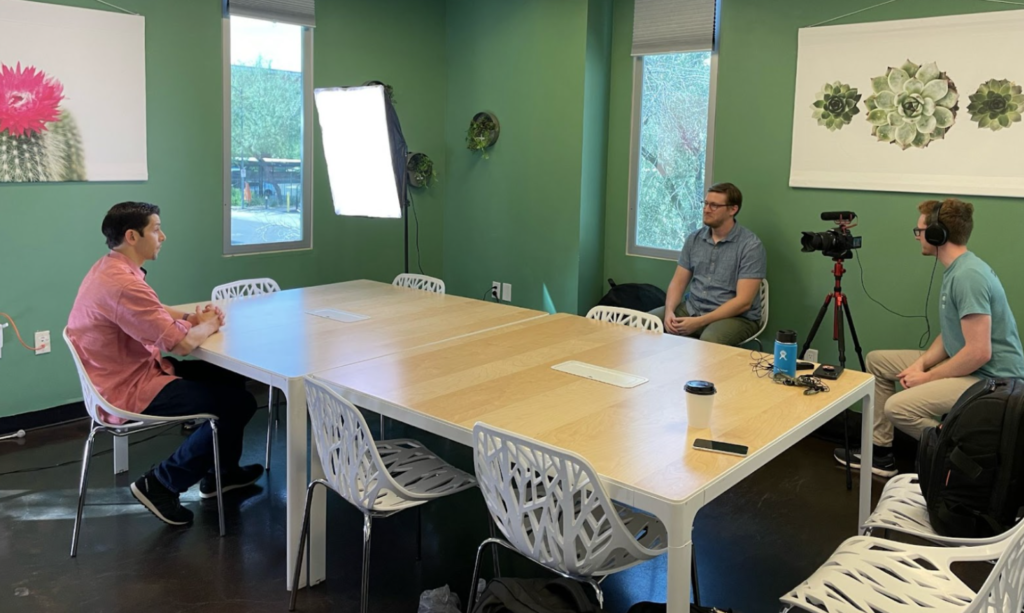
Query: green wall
x,y
516,217
756,76
49,234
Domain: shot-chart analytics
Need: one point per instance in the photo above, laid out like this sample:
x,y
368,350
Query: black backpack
x,y
637,296
534,596
971,467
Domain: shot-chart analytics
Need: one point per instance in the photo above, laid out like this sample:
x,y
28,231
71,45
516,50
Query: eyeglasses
x,y
918,232
713,206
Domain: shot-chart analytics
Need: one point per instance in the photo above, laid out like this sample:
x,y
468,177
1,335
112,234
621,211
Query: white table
x,y
272,339
636,439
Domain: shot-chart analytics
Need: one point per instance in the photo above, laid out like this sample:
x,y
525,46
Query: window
x,y
268,136
673,106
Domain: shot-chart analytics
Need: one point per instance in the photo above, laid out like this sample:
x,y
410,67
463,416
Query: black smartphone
x,y
720,447
828,371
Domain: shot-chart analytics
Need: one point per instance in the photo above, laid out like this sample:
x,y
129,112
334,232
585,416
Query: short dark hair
x,y
956,215
733,195
125,216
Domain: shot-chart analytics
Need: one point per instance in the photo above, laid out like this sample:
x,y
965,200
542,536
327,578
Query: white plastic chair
x,y
422,282
96,406
871,575
902,508
627,317
763,291
378,478
247,288
551,507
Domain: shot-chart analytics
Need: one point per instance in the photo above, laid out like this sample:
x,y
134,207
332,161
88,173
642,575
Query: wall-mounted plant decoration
x,y
997,104
420,170
482,133
390,91
835,106
912,105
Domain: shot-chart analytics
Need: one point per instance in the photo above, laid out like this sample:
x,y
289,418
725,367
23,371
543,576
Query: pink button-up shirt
x,y
119,328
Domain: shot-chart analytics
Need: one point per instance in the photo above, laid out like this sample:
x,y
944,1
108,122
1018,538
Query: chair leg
x,y
693,575
270,423
494,559
364,592
216,472
476,570
597,591
302,545
83,482
381,436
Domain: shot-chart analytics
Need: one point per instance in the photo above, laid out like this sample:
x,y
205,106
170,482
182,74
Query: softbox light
x,y
366,173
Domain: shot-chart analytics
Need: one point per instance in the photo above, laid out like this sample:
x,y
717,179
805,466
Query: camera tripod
x,y
841,306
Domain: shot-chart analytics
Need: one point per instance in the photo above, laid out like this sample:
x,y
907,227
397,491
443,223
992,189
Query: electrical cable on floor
x,y
79,460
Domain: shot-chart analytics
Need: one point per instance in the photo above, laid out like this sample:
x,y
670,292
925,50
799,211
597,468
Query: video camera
x,y
837,243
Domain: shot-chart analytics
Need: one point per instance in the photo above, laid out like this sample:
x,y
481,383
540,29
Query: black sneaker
x,y
160,501
882,464
233,479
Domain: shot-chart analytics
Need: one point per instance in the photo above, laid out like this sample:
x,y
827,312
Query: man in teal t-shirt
x,y
978,338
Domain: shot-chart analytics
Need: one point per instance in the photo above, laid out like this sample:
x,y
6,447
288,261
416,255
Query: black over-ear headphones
x,y
936,232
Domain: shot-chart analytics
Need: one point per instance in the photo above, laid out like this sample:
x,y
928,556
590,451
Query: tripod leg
x,y
840,331
814,328
853,334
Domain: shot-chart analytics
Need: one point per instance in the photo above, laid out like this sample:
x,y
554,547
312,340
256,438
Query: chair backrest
x,y
94,403
763,320
550,505
245,288
348,454
1004,588
628,317
423,282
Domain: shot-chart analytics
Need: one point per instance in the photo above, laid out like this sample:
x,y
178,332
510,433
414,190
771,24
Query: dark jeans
x,y
203,388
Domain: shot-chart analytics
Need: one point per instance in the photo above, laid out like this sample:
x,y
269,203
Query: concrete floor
x,y
754,543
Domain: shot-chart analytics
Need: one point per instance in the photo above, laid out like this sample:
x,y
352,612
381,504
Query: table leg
x,y
120,454
680,557
866,455
295,490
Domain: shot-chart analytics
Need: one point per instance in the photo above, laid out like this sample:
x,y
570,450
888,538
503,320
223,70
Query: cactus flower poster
x,y
934,106
72,94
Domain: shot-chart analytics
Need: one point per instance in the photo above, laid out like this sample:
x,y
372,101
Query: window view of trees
x,y
266,133
673,148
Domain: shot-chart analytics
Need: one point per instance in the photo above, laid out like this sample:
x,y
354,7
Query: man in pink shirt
x,y
120,328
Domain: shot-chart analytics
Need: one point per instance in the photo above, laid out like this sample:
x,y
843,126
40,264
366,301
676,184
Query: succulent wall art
x,y
72,94
913,105
932,105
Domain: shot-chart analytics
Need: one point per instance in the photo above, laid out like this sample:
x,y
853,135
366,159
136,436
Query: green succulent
x,y
997,104
912,105
835,106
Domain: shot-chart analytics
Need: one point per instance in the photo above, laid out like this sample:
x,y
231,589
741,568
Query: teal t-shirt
x,y
970,287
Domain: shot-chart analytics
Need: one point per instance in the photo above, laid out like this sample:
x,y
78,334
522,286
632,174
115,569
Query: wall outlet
x,y
811,355
496,290
506,292
2,327
42,342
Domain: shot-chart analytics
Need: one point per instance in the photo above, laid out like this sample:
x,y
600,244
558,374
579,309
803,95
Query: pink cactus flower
x,y
28,99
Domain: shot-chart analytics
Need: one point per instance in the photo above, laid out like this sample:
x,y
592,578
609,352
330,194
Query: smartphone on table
x,y
720,447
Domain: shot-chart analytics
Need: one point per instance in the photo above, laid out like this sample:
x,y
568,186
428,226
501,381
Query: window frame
x,y
632,248
306,159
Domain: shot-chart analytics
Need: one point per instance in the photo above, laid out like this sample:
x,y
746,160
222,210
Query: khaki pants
x,y
911,410
732,331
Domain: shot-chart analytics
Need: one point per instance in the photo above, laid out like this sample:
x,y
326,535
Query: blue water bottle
x,y
785,352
